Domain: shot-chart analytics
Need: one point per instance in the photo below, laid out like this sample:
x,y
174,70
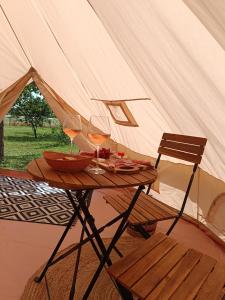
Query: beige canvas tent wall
x,y
166,51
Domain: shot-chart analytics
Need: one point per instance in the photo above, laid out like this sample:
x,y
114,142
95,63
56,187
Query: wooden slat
x,y
175,277
15,173
34,170
144,177
182,147
119,207
128,261
212,287
153,277
128,178
102,180
140,176
149,173
194,140
159,205
117,180
190,287
180,155
145,263
48,173
69,179
157,211
86,180
143,212
154,294
140,218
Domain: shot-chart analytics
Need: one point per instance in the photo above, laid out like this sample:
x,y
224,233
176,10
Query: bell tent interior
x,y
152,67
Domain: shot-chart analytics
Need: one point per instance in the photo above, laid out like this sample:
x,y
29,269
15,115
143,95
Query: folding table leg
x,y
76,267
115,248
116,237
90,238
70,223
91,222
83,221
73,286
87,199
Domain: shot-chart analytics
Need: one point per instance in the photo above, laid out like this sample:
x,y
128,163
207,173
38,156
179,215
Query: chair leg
x,y
173,225
118,251
120,254
124,293
148,189
142,231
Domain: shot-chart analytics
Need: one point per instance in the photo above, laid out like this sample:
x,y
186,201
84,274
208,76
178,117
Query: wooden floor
x,y
25,246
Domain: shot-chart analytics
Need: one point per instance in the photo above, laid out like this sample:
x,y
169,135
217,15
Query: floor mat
x,y
29,201
57,282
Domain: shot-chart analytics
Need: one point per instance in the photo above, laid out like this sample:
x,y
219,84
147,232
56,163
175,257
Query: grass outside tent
x,y
21,146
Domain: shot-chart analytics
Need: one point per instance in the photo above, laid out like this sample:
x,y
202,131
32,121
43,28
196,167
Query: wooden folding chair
x,y
164,269
148,210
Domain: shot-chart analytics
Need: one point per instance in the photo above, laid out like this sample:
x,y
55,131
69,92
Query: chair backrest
x,y
184,147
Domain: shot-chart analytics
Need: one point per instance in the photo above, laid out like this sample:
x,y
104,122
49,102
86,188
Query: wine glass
x,y
98,133
72,127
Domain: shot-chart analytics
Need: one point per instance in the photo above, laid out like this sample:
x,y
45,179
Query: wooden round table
x,y
83,183
41,171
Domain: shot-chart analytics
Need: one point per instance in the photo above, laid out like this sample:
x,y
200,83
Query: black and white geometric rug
x,y
29,201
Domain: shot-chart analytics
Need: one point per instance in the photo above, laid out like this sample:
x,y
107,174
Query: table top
x,y
41,171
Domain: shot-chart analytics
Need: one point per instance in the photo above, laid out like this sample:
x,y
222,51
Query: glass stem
x,y
97,156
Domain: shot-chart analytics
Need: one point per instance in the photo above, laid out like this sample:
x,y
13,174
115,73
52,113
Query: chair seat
x,y
147,210
164,269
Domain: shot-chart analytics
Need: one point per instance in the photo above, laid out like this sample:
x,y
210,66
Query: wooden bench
x,y
164,269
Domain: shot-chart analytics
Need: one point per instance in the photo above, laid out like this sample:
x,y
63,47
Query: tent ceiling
x,y
12,59
179,69
212,14
141,51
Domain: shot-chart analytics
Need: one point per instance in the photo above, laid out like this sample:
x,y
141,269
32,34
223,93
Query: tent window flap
x,y
121,113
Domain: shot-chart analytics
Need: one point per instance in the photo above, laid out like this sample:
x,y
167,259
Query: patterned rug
x,y
29,201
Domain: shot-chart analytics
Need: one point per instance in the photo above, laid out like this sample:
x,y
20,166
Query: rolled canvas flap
x,y
9,96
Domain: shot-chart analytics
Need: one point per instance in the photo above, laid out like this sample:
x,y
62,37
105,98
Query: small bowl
x,y
66,162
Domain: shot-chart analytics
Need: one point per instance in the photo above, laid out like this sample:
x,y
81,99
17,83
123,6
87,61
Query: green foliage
x,y
32,106
60,135
21,146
